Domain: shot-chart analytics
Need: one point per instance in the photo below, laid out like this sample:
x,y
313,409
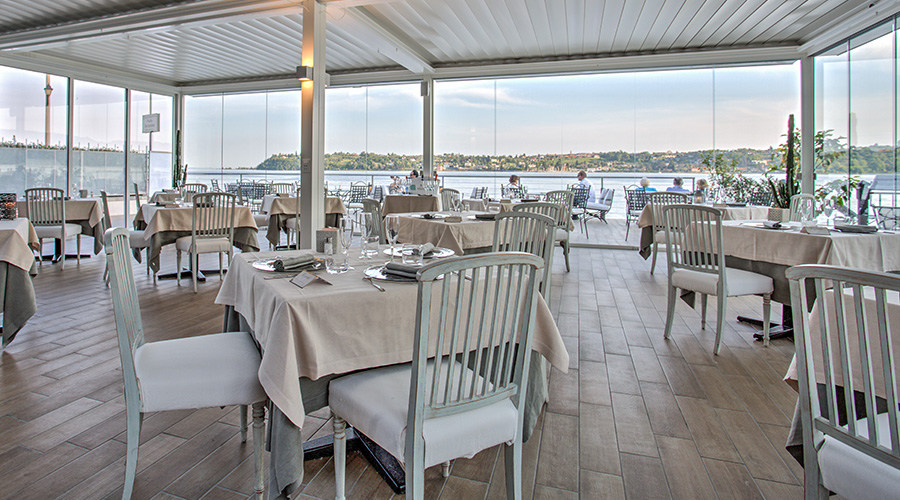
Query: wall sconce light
x,y
304,73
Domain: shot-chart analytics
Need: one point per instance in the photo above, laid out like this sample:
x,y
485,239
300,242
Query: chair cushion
x,y
199,372
596,206
137,239
376,402
853,474
204,245
739,282
54,231
291,223
660,237
261,220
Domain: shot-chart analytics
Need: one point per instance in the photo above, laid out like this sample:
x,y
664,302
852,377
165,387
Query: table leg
x,y
383,462
776,331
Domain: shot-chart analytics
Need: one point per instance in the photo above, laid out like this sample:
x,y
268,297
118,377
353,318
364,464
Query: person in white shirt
x,y
583,180
677,186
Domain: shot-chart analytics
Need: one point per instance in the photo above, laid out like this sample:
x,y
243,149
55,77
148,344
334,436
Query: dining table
x,y
18,242
735,212
470,235
311,335
165,223
406,203
86,213
280,208
165,196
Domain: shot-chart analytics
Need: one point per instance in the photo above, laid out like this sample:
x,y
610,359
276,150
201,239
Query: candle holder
x,y
8,209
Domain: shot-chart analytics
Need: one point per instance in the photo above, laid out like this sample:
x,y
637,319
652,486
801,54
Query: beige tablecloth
x,y
17,301
162,226
457,236
164,196
282,208
405,203
329,329
86,213
728,213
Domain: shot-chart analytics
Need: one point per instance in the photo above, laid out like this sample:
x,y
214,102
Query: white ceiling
x,y
199,43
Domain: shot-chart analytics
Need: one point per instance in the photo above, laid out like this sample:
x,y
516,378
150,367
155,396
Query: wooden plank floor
x,y
636,416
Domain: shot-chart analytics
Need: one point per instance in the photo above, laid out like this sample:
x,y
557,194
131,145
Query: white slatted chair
x,y
529,228
181,374
212,231
450,198
852,345
565,199
135,236
795,205
192,188
46,209
280,188
371,206
658,202
292,225
437,409
695,255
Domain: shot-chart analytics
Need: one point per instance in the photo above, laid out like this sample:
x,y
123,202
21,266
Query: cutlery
x,y
372,282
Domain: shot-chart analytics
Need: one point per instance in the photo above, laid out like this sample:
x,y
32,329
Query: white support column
x,y
807,125
428,126
70,132
312,125
127,156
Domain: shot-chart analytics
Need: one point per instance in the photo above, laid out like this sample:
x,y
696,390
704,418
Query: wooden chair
x,y
695,254
848,339
658,202
135,236
565,199
635,201
450,198
795,205
438,395
293,224
283,188
46,209
529,231
212,231
206,371
478,193
192,188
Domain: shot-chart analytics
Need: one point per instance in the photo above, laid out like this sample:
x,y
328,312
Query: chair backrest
x,y
475,321
478,193
214,185
528,232
45,206
635,201
847,339
565,199
795,205
213,216
658,202
580,194
104,205
377,193
129,327
450,198
760,197
540,207
358,191
513,192
606,197
887,217
371,206
282,188
694,239
137,198
192,188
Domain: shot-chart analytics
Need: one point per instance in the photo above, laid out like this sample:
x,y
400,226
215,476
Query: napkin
x,y
426,249
293,263
401,270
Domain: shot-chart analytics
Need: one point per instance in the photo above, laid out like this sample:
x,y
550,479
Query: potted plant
x,y
783,190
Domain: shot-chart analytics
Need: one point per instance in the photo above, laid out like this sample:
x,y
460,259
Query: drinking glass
x,y
806,211
392,230
369,236
412,254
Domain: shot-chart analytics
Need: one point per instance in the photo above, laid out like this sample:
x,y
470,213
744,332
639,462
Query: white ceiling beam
x,y
154,20
384,39
858,19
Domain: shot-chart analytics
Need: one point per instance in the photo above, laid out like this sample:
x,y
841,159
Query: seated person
x,y
702,191
677,186
583,180
645,186
513,189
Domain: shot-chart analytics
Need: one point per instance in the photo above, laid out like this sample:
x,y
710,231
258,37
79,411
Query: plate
x,y
437,253
736,204
433,216
377,273
267,265
855,228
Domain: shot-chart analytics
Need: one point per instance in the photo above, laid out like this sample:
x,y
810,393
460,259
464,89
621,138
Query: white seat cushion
x,y
261,220
561,235
739,282
596,206
660,237
853,474
54,231
199,372
376,402
204,245
291,223
137,239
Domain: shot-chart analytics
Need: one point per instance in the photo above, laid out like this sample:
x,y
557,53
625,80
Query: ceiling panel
x,y
243,39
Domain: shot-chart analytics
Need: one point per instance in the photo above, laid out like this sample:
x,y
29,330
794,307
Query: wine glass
x,y
805,209
828,210
392,230
346,234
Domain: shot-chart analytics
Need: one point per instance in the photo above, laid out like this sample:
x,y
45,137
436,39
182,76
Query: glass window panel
x,y
243,135
202,136
98,138
283,133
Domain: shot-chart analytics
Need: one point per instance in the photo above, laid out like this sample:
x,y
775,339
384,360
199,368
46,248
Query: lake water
x,y
534,182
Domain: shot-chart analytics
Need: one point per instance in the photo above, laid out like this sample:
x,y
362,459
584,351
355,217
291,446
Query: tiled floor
x,y
636,416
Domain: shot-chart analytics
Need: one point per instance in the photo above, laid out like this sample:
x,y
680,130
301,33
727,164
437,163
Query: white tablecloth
x,y
457,236
406,203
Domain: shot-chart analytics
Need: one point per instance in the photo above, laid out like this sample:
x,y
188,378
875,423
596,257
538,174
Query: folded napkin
x,y
401,270
772,225
293,263
426,249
